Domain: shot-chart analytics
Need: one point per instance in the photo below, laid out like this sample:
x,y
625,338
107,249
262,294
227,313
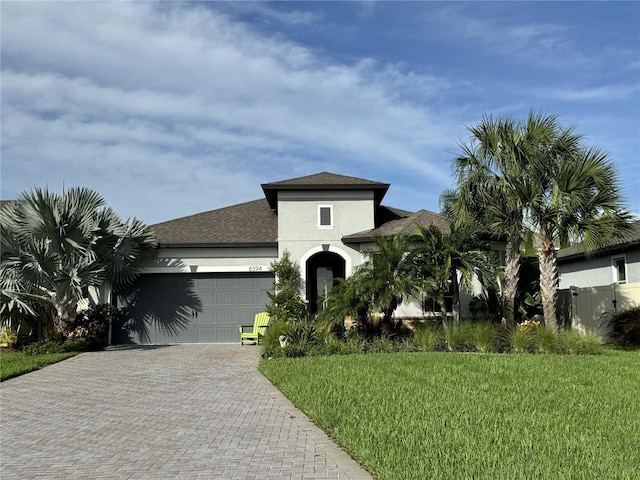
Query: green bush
x,y
523,341
285,299
460,337
93,325
43,347
575,343
428,338
354,343
503,337
484,337
270,341
381,345
8,335
545,340
624,326
532,337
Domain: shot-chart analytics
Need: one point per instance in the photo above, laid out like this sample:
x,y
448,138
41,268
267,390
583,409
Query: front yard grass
x,y
491,416
13,364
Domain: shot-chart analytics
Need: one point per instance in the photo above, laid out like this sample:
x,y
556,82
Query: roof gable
x,y
324,181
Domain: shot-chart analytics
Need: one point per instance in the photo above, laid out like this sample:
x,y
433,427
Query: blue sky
x,y
174,108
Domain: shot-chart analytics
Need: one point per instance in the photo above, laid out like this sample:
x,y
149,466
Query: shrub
x,y
407,344
270,341
42,347
428,338
93,325
503,337
484,337
8,336
460,337
523,340
80,344
301,335
624,326
380,345
354,343
285,299
301,331
545,340
576,343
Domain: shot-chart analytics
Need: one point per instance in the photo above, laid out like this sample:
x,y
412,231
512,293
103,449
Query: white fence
x,y
583,308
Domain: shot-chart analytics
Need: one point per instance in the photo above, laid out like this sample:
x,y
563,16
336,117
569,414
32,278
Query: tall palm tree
x,y
54,247
445,256
577,199
495,176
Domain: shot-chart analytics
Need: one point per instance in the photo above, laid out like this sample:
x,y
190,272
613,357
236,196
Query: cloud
x,y
178,99
604,93
512,38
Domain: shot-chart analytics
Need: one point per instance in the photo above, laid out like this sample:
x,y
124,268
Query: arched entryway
x,y
322,271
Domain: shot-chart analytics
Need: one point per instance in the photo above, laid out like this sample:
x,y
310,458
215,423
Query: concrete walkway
x,y
183,412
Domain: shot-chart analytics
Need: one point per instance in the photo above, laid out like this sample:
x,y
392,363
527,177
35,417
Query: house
x,y
604,281
213,268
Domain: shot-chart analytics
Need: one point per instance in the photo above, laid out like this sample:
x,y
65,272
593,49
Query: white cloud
x,y
604,93
175,100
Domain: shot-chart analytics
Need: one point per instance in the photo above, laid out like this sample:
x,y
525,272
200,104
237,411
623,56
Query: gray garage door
x,y
191,308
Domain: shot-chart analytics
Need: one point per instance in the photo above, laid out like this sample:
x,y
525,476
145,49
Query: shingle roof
x,y
247,224
576,252
401,225
324,181
256,223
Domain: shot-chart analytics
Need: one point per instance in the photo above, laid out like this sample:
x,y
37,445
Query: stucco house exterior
x,y
604,281
213,268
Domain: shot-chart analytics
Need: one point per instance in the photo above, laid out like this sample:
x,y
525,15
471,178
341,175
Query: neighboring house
x,y
213,269
604,281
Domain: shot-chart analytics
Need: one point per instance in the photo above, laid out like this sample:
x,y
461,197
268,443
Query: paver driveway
x,y
186,411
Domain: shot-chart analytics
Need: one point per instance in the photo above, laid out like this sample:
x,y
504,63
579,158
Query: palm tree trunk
x,y
511,277
63,315
443,310
455,293
388,325
548,284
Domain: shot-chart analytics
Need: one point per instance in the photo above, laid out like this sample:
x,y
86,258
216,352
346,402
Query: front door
x,y
324,269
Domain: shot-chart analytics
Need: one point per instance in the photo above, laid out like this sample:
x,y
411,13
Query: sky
x,y
169,109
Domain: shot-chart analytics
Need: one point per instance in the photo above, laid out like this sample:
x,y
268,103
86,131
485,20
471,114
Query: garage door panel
x,y
192,308
226,297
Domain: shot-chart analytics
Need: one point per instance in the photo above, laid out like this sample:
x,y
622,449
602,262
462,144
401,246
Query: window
x,y
619,270
325,216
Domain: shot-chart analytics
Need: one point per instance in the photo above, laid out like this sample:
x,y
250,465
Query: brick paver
x,y
183,412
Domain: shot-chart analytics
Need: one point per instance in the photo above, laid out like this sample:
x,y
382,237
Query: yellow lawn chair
x,y
260,323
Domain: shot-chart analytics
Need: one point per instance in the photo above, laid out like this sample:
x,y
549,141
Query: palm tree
x,y
392,276
352,297
495,176
443,256
54,247
577,199
380,285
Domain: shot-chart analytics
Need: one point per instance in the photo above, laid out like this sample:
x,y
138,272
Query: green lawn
x,y
13,364
448,416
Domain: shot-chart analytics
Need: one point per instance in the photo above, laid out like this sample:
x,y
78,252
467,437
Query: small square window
x,y
620,270
325,216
